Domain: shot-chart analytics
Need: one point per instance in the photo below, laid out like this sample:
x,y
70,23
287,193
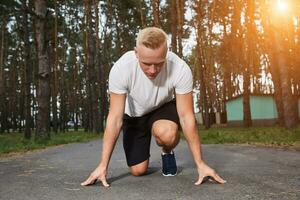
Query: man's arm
x,y
113,127
184,104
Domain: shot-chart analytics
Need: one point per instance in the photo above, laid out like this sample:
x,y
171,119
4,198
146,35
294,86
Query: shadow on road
x,y
151,170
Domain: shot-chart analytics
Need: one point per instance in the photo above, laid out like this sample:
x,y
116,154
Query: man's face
x,y
151,60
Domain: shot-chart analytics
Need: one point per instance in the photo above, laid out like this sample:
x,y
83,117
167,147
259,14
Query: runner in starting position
x,y
150,94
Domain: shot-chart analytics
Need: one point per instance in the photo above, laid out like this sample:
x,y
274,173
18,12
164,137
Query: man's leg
x,y
166,134
162,124
136,143
139,169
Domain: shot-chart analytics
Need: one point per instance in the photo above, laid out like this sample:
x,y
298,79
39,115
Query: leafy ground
x,y
266,136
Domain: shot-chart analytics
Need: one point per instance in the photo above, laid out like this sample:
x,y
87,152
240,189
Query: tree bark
x,y
247,61
91,73
173,18
98,69
288,101
273,65
155,9
246,98
180,20
3,105
142,13
202,63
277,86
28,79
43,91
63,93
55,84
12,93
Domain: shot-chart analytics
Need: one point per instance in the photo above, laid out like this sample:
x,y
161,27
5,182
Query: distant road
x,y
56,173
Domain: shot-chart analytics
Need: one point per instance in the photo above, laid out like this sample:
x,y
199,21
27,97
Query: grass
x,y
267,136
14,142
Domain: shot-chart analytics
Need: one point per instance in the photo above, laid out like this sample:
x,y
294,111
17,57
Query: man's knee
x,y
166,136
165,133
139,169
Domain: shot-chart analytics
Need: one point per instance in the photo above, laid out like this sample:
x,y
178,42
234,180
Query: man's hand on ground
x,y
98,174
205,171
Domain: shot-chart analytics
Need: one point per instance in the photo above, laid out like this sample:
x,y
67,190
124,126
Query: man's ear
x,y
136,52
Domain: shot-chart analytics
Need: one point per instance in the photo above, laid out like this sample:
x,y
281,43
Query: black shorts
x,y
137,132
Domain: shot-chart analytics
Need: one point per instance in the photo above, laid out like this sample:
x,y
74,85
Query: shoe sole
x,y
169,174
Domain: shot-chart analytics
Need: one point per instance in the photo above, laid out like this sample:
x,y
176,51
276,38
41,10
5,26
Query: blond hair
x,y
151,37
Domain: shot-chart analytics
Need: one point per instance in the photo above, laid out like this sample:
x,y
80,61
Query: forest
x,y
55,56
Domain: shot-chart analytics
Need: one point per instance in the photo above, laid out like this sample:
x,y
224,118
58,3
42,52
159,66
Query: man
x,y
143,84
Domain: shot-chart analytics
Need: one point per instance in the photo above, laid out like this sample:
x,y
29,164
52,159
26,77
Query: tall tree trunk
x,y
76,92
91,75
202,63
28,69
226,93
277,86
247,61
211,76
55,73
98,68
63,93
203,93
273,65
297,63
180,20
246,98
281,50
173,18
86,106
288,101
155,10
12,93
142,13
3,106
92,84
43,91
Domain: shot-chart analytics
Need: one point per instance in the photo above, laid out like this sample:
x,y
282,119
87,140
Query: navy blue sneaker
x,y
169,167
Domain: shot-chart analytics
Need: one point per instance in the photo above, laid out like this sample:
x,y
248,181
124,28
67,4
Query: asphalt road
x,y
56,173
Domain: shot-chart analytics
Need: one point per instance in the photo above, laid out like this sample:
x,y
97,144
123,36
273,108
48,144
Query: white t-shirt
x,y
143,94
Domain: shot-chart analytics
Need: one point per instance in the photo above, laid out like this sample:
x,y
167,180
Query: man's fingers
x,y
219,179
92,180
199,181
104,183
216,177
89,181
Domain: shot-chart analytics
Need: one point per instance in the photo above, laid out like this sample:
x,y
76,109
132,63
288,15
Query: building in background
x,y
263,110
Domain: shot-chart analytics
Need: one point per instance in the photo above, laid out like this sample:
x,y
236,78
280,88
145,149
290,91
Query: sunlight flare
x,y
282,5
